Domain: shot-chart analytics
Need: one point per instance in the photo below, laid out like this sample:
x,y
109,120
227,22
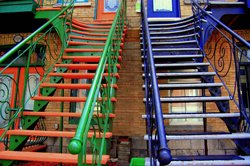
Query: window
x,y
185,107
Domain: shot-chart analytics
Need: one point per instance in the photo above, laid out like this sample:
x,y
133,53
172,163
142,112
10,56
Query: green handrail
x,y
77,142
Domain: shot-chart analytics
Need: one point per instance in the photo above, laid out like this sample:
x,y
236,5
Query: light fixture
x,y
17,38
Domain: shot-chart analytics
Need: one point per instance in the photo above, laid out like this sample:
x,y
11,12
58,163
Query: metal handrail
x,y
76,144
164,155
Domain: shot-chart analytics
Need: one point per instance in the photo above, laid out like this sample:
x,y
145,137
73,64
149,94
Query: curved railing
x,y
224,49
37,54
158,150
108,61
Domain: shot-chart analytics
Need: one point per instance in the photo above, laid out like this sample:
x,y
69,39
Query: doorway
x,y
106,9
163,8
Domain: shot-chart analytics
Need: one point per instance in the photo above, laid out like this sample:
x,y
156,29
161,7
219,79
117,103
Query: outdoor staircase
x,y
74,72
184,76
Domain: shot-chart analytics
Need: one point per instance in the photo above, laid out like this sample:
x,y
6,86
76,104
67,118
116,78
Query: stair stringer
x,y
232,123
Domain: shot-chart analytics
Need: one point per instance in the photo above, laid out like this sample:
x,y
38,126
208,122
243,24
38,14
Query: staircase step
x,y
82,66
47,157
175,49
86,38
80,75
174,42
180,65
63,114
208,160
177,56
73,86
172,32
66,99
76,43
191,74
205,136
87,58
197,115
67,50
65,134
89,34
187,86
171,24
89,26
172,37
194,99
171,28
89,29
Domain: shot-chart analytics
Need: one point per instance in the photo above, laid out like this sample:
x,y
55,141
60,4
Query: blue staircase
x,y
192,76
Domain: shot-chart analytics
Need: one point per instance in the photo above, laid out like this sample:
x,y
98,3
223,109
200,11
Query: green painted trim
x,y
18,6
137,162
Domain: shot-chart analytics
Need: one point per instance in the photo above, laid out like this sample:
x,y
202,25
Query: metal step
x,y
177,56
173,43
172,32
193,99
181,65
170,28
172,24
175,49
172,37
190,74
209,162
197,115
204,136
187,86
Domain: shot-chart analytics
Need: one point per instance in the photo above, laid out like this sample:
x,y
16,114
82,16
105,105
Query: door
x,y
106,9
163,8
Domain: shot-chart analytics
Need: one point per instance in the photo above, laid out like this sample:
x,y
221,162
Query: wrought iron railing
x,y
36,55
104,105
224,49
158,149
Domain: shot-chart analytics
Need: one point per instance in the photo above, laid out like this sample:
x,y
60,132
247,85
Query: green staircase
x,y
76,82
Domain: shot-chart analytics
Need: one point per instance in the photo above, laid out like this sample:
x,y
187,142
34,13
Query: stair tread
x,y
208,160
175,49
180,64
73,86
83,50
197,115
46,133
172,37
172,32
66,99
74,43
82,66
86,58
63,114
194,99
47,157
174,42
205,136
184,74
79,75
172,24
186,85
170,28
88,33
179,56
87,38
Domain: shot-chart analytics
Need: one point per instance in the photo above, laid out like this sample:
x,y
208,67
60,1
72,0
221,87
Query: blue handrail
x,y
164,156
